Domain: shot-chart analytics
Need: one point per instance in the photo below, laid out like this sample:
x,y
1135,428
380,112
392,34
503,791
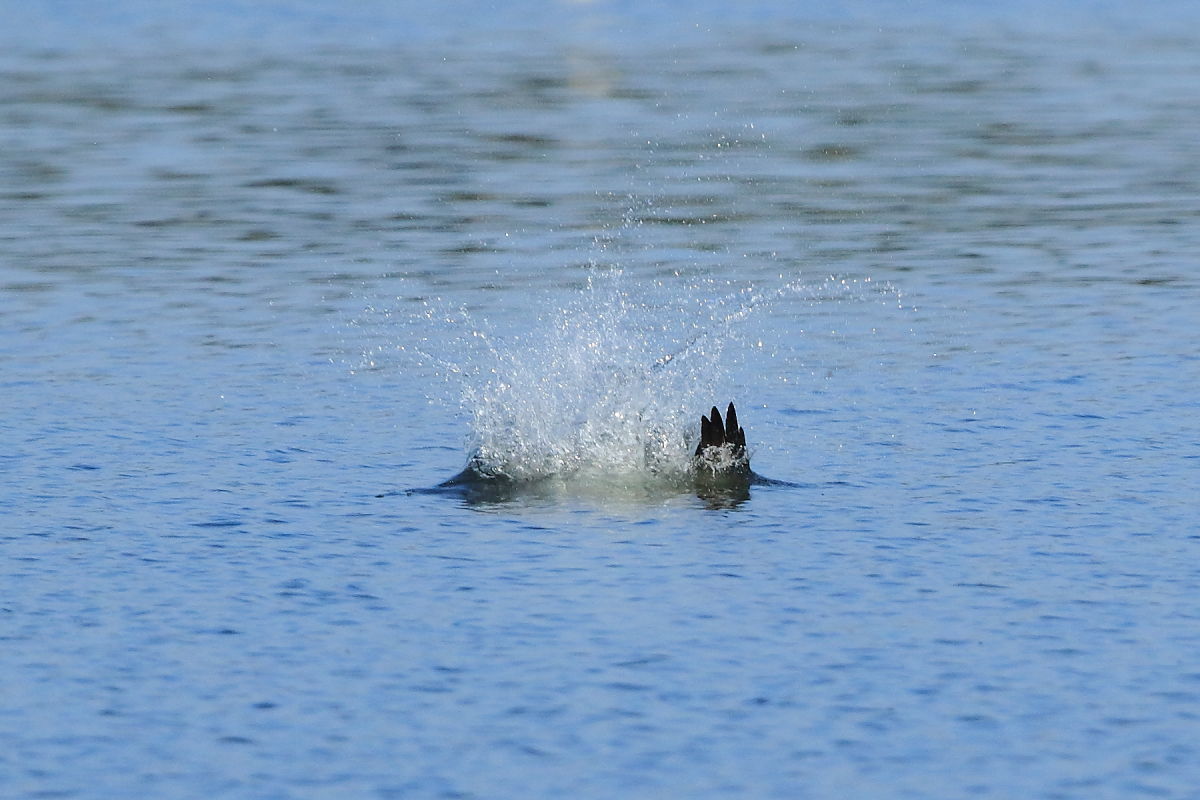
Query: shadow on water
x,y
716,492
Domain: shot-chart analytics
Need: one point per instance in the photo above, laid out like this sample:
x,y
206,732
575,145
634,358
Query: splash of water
x,y
610,381
607,385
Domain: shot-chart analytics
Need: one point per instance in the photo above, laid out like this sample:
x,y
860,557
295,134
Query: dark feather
x,y
718,427
705,435
731,423
715,433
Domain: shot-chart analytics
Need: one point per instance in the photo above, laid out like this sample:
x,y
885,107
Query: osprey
x,y
718,472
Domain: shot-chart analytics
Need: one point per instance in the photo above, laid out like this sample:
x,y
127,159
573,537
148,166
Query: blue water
x,y
266,270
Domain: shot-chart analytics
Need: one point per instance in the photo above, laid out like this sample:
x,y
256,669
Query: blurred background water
x,y
262,266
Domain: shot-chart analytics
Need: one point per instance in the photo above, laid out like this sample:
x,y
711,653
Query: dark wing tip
x,y
718,428
705,434
731,423
714,432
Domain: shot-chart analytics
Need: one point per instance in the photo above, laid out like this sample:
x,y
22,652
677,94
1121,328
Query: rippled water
x,y
264,272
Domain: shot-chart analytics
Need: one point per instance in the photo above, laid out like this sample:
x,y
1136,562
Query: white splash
x,y
609,382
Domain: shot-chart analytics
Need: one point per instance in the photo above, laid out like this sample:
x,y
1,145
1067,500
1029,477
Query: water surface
x,y
260,273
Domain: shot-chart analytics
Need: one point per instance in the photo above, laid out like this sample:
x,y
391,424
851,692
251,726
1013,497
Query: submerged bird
x,y
718,472
720,468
